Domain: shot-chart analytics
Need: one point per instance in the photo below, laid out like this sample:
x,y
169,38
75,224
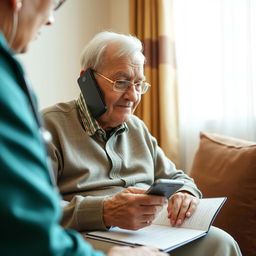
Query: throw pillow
x,y
225,166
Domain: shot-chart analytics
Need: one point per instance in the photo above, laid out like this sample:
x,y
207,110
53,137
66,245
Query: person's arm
x,y
30,210
184,202
165,168
79,212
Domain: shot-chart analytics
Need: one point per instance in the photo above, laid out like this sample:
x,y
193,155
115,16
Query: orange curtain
x,y
151,21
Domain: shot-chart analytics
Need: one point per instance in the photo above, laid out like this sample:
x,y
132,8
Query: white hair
x,y
93,53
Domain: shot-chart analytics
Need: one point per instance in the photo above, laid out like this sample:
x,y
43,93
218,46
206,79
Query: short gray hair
x,y
92,55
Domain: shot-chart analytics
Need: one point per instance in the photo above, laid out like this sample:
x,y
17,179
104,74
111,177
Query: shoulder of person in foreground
x,y
31,206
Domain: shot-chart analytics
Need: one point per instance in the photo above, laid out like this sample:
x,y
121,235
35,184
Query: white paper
x,y
161,234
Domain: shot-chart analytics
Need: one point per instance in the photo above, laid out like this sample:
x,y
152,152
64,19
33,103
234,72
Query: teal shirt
x,y
29,206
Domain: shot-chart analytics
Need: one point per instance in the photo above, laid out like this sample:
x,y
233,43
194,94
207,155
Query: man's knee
x,y
221,242
216,242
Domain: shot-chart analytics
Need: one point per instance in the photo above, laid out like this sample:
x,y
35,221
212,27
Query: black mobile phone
x,y
92,93
164,187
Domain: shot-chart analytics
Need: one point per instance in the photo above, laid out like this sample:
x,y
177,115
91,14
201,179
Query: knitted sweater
x,y
89,168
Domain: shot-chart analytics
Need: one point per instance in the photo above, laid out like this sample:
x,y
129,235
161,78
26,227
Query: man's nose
x,y
132,94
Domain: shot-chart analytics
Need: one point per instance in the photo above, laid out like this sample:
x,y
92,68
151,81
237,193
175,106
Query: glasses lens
x,y
139,87
144,87
57,3
121,85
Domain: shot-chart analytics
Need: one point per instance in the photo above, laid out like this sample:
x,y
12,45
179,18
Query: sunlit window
x,y
216,63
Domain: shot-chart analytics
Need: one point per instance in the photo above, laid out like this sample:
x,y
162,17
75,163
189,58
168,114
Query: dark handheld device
x,y
164,187
92,93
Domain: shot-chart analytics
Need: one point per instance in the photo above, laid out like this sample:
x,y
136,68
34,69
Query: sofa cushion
x,y
225,166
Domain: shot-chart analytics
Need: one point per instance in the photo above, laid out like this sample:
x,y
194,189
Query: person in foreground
x,y
103,164
30,211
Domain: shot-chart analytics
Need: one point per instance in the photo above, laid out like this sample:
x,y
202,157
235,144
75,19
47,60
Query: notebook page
x,y
202,217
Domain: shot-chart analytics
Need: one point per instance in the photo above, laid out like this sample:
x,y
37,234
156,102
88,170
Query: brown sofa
x,y
225,166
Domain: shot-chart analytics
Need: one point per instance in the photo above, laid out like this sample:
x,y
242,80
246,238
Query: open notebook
x,y
161,234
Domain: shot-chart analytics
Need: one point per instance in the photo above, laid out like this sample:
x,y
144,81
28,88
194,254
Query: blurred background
x,y
53,62
201,62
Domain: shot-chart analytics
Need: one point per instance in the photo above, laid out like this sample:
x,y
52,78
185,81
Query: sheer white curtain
x,y
216,61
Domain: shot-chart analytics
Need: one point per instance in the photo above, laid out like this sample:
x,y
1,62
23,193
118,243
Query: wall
x,y
53,61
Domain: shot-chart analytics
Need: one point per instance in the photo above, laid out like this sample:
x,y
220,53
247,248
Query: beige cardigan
x,y
88,169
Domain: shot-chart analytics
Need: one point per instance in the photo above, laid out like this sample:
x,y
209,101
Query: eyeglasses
x,y
57,4
124,85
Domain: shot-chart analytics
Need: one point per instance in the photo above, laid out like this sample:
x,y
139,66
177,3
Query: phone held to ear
x,y
92,93
164,187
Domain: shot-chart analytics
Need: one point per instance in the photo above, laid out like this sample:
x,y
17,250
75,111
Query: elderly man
x,y
103,164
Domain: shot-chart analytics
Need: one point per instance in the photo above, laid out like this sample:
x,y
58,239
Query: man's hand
x,y
181,205
132,209
138,251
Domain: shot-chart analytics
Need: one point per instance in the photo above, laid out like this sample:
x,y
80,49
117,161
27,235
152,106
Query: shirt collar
x,y
91,125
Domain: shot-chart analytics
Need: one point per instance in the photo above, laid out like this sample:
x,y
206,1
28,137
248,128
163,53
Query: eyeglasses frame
x,y
59,4
116,90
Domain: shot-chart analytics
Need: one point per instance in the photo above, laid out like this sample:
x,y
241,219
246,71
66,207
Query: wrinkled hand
x,y
180,206
138,251
132,209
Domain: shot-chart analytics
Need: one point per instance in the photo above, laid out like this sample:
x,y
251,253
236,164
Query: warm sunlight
x,y
216,63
